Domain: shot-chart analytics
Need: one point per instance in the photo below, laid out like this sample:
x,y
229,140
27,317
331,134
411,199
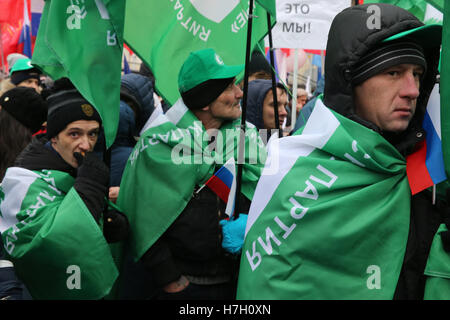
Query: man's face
x,y
78,136
268,109
389,98
301,100
226,106
31,83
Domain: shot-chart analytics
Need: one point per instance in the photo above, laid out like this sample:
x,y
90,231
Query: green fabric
x,y
21,65
163,33
84,43
333,222
204,65
438,4
54,233
169,160
445,88
437,286
269,5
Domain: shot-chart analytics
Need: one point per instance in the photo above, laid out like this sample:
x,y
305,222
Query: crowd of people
x,y
140,221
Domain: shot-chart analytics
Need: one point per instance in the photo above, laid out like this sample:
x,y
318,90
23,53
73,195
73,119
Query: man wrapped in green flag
x,y
52,204
338,220
176,222
82,40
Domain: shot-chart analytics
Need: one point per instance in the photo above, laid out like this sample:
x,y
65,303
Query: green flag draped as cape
x,y
171,158
57,248
333,222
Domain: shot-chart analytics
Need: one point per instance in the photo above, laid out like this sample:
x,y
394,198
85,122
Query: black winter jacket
x,y
343,51
192,245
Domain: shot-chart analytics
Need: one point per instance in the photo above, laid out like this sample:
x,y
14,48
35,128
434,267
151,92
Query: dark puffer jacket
x,y
343,51
136,106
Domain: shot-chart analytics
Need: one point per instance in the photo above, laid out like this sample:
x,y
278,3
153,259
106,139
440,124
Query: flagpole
x,y
294,89
241,149
274,85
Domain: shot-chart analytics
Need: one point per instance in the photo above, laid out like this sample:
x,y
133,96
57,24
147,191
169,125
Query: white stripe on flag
x,y
15,186
177,111
434,109
320,127
230,165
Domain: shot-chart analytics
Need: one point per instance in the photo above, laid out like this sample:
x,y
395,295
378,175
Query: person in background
x,y
22,112
260,105
306,111
24,74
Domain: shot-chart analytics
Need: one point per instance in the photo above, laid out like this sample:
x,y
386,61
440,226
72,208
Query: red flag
x,y
11,24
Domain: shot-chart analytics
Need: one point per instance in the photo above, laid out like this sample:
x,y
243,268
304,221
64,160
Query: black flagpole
x,y
274,86
241,149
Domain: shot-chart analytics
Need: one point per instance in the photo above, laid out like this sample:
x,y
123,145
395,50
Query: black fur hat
x,y
26,106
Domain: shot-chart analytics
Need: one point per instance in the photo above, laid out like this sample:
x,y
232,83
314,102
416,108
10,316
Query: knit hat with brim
x,y
406,47
65,107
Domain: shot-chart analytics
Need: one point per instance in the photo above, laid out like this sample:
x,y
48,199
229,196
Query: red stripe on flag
x,y
219,187
416,170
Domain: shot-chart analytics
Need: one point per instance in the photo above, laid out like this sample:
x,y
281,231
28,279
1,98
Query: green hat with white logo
x,y
23,70
22,65
204,65
203,77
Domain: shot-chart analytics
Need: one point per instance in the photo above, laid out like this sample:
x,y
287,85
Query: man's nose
x,y
238,92
84,144
282,111
410,86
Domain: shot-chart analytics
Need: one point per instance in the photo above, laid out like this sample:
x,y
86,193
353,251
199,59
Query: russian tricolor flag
x,y
425,167
223,183
24,44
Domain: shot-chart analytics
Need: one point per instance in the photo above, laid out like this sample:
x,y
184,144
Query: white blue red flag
x,y
223,183
24,44
425,167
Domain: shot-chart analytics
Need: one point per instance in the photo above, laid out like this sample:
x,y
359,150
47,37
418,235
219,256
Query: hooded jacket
x,y
136,90
343,52
257,90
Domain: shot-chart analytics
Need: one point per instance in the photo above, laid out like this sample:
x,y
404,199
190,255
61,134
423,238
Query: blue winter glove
x,y
233,233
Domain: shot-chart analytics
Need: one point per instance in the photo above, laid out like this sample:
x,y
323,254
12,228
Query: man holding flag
x,y
175,221
339,221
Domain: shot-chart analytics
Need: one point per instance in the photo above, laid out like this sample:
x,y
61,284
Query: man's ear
x,y
54,139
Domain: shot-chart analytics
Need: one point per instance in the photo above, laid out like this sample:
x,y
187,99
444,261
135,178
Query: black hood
x,y
348,42
36,156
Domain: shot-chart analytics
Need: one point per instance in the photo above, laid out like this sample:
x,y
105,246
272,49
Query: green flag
x,y
170,159
84,42
438,4
57,248
333,222
270,6
163,33
445,88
